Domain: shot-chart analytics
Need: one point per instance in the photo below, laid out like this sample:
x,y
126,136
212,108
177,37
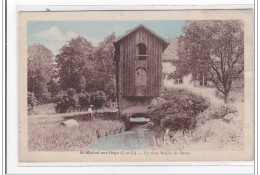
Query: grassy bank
x,y
218,128
47,134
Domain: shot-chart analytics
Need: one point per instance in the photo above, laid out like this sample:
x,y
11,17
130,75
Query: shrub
x,y
84,100
219,133
69,100
98,99
176,103
110,91
31,101
66,100
215,112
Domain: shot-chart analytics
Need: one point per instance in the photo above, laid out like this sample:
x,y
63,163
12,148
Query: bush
x,y
84,100
69,100
31,101
98,99
219,133
174,104
110,91
215,112
66,100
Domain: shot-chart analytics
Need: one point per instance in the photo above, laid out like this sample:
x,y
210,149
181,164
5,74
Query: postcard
x,y
136,86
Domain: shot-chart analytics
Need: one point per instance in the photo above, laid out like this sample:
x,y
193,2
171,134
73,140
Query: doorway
x,y
140,81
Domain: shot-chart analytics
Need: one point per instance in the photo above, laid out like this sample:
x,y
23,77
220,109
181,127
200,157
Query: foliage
x,y
176,103
74,64
215,48
98,99
49,135
66,100
53,84
217,128
84,100
53,89
215,112
110,90
40,68
88,69
104,56
69,100
220,134
104,77
214,135
31,101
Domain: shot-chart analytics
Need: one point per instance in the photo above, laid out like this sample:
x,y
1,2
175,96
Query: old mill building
x,y
138,55
143,62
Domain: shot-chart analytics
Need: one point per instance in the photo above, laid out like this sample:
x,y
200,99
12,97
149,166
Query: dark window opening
x,y
179,80
203,80
141,51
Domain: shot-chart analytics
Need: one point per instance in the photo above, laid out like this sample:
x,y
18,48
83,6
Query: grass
x,y
215,134
47,134
43,109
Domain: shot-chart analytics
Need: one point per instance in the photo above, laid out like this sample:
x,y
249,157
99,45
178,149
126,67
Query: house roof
x,y
171,52
136,28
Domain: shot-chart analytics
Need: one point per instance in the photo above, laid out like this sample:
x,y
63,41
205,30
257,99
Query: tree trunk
x,y
226,98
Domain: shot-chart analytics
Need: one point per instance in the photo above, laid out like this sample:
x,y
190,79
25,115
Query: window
x,y
203,81
141,51
178,80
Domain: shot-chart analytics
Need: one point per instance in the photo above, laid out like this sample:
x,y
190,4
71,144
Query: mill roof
x,y
139,27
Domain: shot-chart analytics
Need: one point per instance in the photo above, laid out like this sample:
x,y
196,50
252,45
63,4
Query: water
x,y
138,137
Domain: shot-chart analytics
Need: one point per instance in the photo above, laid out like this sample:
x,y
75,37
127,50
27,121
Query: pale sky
x,y
54,34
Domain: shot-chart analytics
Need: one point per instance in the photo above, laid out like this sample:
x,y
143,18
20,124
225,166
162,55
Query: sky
x,y
55,34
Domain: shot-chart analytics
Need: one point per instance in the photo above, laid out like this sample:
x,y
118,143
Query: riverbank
x,y
219,128
47,134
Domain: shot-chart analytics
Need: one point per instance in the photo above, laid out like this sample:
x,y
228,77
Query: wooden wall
x,y
126,65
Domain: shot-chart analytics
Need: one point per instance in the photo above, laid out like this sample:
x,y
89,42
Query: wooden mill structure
x,y
138,55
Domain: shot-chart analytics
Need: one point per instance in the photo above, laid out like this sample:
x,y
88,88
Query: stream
x,y
138,137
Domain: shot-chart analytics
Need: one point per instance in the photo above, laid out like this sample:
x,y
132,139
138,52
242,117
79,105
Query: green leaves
x,y
78,65
86,68
176,103
40,69
214,48
31,101
73,63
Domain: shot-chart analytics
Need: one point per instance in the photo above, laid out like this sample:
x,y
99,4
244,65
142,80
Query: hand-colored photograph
x,y
136,86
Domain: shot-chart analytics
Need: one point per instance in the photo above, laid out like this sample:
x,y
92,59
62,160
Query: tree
x,y
31,101
105,67
40,68
213,47
74,64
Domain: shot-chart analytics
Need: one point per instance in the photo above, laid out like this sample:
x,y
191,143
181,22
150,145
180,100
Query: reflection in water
x,y
137,137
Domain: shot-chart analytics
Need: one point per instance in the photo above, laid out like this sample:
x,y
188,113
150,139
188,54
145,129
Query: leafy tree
x,y
215,48
40,68
105,68
84,100
53,88
98,98
89,70
31,101
176,107
74,64
66,100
